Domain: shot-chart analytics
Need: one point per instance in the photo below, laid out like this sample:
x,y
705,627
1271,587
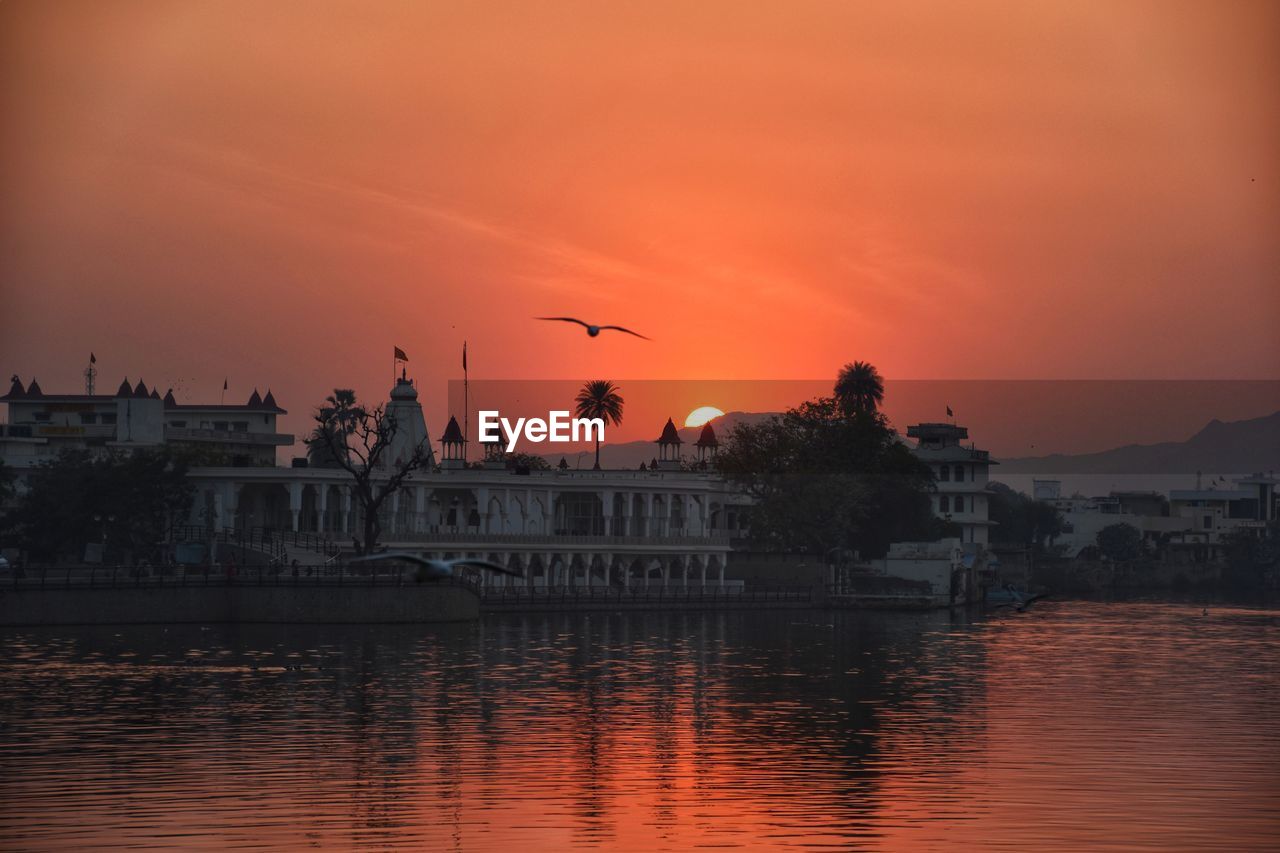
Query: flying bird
x,y
436,569
592,330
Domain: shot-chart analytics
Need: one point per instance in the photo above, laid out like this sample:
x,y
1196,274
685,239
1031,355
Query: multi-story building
x,y
1205,515
961,473
40,425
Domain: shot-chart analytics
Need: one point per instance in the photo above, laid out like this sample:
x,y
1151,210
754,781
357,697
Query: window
x,y
220,426
240,426
944,473
1208,522
959,473
178,424
959,502
41,417
88,418
944,503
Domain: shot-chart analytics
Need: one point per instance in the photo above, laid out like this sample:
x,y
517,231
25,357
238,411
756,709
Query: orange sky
x,y
280,192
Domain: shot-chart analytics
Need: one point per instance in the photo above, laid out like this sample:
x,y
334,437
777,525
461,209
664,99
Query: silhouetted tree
x,y
1020,519
859,388
319,454
359,440
126,500
599,398
526,461
823,478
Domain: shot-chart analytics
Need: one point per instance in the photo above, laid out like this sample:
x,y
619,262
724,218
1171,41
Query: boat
x,y
1009,595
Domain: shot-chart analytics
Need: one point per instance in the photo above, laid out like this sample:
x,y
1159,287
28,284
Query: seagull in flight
x,y
436,569
592,330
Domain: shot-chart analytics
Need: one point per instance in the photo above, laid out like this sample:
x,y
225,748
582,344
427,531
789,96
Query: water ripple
x,y
1075,724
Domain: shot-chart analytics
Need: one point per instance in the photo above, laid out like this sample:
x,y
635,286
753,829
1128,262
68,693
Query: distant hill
x,y
1237,447
630,454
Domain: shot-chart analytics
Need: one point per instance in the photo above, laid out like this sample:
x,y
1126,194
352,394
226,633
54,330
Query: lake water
x,y
1074,724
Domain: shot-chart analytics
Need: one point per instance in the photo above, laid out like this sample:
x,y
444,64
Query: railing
x,y
512,597
570,595
568,540
42,430
80,577
262,540
227,435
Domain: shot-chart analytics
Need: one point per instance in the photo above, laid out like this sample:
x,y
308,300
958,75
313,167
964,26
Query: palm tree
x,y
599,398
859,388
340,410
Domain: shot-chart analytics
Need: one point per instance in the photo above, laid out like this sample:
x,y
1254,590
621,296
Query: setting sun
x,y
701,415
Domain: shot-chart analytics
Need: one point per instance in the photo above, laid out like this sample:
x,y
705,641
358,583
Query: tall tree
x,y
359,440
859,388
825,480
1021,520
128,501
599,398
319,454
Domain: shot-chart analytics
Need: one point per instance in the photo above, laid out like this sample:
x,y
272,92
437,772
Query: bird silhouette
x,y
593,331
435,569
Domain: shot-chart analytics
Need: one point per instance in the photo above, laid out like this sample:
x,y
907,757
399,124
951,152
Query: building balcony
x,y
46,431
226,436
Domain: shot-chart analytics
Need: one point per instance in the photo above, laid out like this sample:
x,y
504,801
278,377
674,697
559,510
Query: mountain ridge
x,y
1237,447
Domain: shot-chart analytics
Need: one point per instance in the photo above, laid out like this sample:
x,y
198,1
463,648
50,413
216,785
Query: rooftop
x,y
34,394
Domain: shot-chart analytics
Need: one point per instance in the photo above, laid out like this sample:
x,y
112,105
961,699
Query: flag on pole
x,y
224,385
93,359
400,356
464,355
950,413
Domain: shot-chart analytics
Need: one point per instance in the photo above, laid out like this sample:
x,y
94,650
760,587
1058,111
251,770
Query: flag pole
x,y
466,405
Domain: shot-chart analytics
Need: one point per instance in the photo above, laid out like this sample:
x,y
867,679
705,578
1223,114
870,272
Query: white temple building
x,y
559,527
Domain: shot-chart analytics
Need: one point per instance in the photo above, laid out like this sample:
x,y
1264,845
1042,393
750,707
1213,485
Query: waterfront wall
x,y
772,569
1088,577
67,605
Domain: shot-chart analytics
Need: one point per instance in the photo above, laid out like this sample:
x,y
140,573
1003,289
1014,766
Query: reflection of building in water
x,y
961,476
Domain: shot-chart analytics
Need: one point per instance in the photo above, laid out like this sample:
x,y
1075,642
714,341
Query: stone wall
x,y
776,569
411,603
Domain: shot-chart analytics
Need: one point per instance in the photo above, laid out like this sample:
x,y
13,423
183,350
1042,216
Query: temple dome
x,y
452,432
404,390
669,434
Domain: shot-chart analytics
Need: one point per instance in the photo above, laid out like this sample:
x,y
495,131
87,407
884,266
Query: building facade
x,y
41,426
961,474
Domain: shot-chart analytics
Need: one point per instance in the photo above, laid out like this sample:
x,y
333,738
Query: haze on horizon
x,y
278,193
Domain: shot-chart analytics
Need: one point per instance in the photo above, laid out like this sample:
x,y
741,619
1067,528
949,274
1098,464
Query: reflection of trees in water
x,y
786,684
617,717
